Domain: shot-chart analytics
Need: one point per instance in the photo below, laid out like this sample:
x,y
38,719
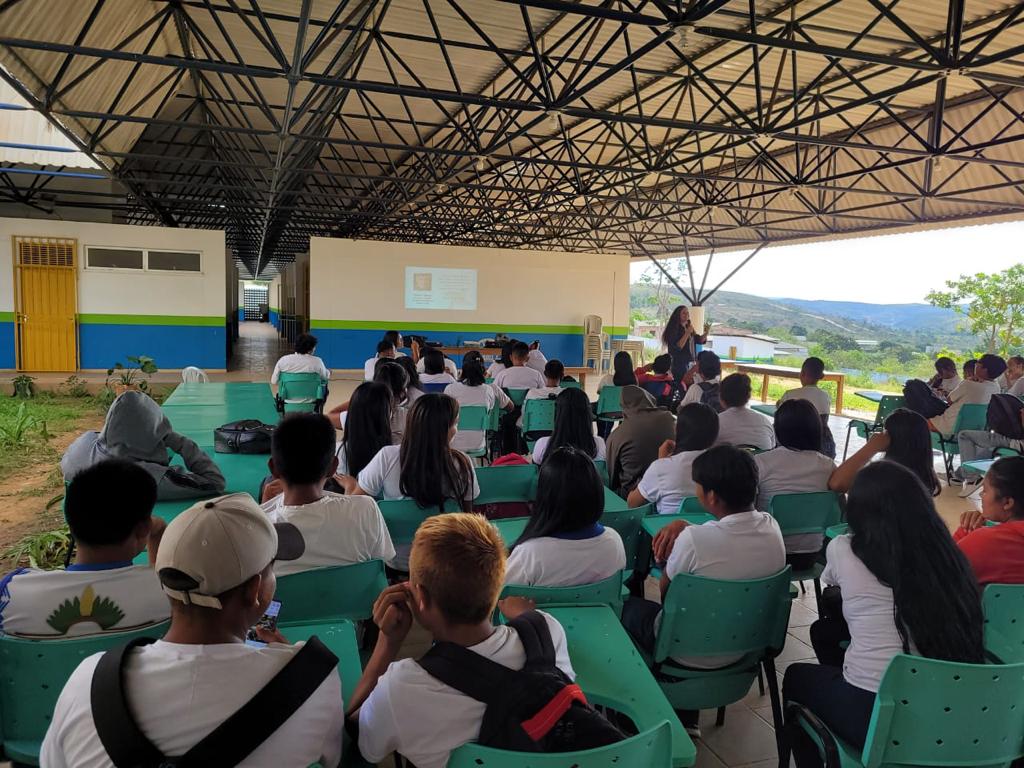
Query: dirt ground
x,y
24,495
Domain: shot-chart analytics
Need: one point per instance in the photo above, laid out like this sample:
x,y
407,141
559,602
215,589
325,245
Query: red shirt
x,y
643,377
996,552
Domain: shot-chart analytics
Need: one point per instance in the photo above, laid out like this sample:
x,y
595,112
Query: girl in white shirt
x,y
574,427
503,362
906,588
622,374
473,389
564,544
435,369
368,427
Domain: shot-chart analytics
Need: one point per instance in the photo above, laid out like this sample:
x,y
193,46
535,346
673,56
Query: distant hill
x,y
914,317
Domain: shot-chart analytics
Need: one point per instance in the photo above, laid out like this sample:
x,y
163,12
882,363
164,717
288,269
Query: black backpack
x,y
918,397
709,395
1004,416
231,741
534,709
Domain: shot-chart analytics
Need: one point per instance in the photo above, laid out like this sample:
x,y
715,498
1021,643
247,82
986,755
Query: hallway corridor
x,y
256,351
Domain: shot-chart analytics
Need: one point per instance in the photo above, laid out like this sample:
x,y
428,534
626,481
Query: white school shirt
x,y
1018,388
72,603
423,719
668,481
370,366
968,393
608,380
338,530
179,693
296,363
948,385
519,377
494,369
536,360
543,393
695,393
549,561
745,426
482,394
449,366
437,378
541,447
745,545
783,470
868,610
412,394
818,398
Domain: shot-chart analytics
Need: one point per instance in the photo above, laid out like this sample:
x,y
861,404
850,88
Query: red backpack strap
x,y
538,726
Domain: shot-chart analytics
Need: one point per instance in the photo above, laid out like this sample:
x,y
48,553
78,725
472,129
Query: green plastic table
x,y
214,394
340,638
981,465
766,408
874,397
611,673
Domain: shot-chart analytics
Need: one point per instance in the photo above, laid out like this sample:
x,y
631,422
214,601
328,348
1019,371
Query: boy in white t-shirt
x,y
536,358
554,371
102,591
741,543
737,424
215,563
811,372
337,530
457,570
519,376
302,360
976,391
946,378
385,351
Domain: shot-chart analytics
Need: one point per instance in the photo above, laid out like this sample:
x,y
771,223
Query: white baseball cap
x,y
217,544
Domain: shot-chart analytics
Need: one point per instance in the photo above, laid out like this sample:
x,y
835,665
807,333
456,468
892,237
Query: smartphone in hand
x,y
267,621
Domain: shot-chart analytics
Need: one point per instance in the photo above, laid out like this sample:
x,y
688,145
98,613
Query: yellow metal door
x,y
46,300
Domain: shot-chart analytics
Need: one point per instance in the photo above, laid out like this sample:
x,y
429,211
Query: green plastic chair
x,y
1004,622
864,429
837,530
517,396
628,523
332,593
538,416
512,483
301,393
609,404
798,513
32,676
650,749
403,518
1001,452
605,592
691,506
971,416
602,470
570,385
475,418
716,617
930,713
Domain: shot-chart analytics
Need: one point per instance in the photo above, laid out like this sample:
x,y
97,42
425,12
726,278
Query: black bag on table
x,y
248,436
918,397
1004,416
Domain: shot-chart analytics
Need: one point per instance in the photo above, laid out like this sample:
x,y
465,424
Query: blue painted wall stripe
x,y
172,346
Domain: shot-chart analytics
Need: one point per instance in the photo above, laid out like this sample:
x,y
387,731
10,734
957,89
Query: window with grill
x,y
46,251
174,261
142,259
114,258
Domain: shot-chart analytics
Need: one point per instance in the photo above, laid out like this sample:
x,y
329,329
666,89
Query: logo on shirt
x,y
88,608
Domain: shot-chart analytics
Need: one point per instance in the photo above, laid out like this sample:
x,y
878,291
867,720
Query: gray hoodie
x,y
137,430
634,444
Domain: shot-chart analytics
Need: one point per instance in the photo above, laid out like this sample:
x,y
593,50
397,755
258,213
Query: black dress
x,y
683,357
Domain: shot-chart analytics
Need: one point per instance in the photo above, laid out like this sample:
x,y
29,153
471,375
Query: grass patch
x,y
47,549
28,424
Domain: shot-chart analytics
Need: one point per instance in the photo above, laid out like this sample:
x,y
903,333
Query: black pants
x,y
844,708
830,633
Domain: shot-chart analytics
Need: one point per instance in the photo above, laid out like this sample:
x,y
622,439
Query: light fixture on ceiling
x,y
481,163
440,188
936,163
553,119
682,34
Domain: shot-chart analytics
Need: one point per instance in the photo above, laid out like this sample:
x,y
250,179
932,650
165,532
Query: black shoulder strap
x,y
466,671
234,739
125,744
536,638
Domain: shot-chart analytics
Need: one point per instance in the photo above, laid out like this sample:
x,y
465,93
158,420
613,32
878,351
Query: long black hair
x,y
901,539
410,369
473,373
431,471
433,361
798,426
673,332
574,424
570,494
367,425
1006,477
624,374
910,444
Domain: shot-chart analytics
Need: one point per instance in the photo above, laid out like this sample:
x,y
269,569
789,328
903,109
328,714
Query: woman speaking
x,y
680,338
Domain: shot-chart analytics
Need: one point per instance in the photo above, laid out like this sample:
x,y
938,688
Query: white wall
x,y
745,347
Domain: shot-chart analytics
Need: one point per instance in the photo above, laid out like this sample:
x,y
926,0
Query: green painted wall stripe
x,y
378,325
6,317
200,320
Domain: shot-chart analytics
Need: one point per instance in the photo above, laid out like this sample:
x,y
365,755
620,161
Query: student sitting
x,y
978,390
397,341
795,466
979,444
622,374
708,389
969,370
303,360
574,427
649,376
811,372
564,544
946,378
669,480
368,428
101,590
741,543
996,552
424,467
553,373
633,445
904,440
472,389
393,376
435,368
536,359
519,376
216,565
737,424
136,430
1012,380
457,570
385,351
504,360
414,389
905,589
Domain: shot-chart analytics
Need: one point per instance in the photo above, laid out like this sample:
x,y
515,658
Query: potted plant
x,y
135,375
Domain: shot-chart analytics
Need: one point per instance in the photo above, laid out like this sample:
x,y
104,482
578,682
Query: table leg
x,y
764,389
583,380
840,382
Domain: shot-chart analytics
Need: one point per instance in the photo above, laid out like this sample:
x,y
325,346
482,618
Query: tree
x,y
664,291
992,306
798,330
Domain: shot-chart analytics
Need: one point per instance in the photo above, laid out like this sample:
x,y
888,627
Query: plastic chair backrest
x,y
805,512
886,406
538,415
403,517
436,388
592,324
716,617
649,749
602,470
691,506
929,712
629,525
473,418
570,385
331,593
1003,605
193,374
517,482
517,396
300,391
609,403
971,416
32,675
605,592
